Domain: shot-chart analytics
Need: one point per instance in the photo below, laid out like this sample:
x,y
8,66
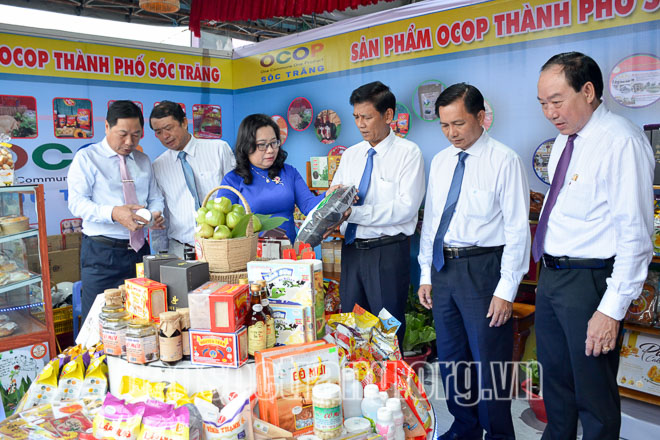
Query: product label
x,y
256,337
142,350
114,342
171,349
327,420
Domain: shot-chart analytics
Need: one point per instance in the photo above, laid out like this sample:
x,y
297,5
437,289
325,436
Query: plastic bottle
x,y
353,394
385,426
394,405
371,403
383,397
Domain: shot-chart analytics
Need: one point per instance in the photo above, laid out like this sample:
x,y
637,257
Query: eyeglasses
x,y
274,145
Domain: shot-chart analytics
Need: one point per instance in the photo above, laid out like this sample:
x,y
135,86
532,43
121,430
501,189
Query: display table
x,y
195,378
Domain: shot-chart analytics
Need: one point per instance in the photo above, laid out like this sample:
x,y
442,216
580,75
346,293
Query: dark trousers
x,y
475,359
575,385
105,267
376,278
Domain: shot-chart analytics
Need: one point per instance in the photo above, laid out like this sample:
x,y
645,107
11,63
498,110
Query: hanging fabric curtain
x,y
231,10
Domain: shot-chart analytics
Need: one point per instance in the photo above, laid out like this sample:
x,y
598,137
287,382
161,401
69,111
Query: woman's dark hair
x,y
246,144
472,98
579,69
123,110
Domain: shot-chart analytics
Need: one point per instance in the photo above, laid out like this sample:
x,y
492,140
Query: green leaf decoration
x,y
269,222
241,227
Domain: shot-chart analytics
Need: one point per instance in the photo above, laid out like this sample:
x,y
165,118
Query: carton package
x,y
319,167
219,349
333,164
336,247
145,298
328,256
181,277
229,307
63,257
139,270
639,363
152,264
198,304
289,324
293,282
285,378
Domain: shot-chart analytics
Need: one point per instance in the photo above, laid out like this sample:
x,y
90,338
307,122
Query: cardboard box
x,y
289,324
139,270
229,306
219,349
152,264
328,256
64,265
336,246
145,298
639,363
319,171
181,277
71,240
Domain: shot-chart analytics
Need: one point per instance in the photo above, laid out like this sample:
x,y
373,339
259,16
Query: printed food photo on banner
x,y
541,159
18,116
328,126
423,100
284,129
300,114
401,123
635,81
72,118
207,121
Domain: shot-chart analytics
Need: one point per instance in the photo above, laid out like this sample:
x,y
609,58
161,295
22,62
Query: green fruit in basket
x,y
201,215
233,218
221,232
223,204
205,231
238,208
256,223
215,218
210,204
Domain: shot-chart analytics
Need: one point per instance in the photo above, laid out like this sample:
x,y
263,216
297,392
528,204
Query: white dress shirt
x,y
396,189
492,209
605,207
210,161
95,188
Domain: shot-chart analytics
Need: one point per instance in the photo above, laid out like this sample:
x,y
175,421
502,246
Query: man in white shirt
x,y
594,240
389,173
185,173
474,251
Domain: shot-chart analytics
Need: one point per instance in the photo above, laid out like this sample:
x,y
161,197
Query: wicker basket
x,y
228,277
230,255
62,319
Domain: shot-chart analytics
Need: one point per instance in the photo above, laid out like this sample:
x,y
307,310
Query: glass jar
x,y
110,312
326,402
113,297
141,342
169,338
114,335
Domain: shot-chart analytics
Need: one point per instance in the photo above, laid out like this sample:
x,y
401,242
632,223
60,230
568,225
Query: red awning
x,y
232,10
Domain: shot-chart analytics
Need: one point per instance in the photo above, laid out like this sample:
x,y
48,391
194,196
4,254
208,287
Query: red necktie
x,y
130,197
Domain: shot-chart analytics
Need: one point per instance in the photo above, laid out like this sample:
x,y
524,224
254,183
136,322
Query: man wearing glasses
x,y
185,173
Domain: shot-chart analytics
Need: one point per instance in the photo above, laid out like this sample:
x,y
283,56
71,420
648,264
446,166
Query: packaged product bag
x,y
95,384
43,390
118,419
235,421
326,214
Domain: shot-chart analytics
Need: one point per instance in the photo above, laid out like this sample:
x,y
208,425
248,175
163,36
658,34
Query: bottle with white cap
x,y
383,396
385,425
394,405
371,403
353,394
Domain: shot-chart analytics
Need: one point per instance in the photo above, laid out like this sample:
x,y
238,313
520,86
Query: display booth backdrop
x,y
497,46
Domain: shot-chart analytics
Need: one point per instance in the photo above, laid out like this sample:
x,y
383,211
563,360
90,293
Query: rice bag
x,y
118,420
165,423
43,390
134,389
71,380
235,421
326,214
95,384
176,394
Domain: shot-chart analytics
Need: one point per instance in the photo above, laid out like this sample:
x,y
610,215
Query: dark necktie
x,y
351,228
130,198
190,177
448,212
557,183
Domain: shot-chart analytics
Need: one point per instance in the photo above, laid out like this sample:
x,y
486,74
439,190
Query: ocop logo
x,y
297,54
38,156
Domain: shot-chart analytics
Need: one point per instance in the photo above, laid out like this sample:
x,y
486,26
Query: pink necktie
x,y
130,197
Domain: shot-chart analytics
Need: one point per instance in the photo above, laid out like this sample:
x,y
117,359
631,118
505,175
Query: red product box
x,y
219,349
229,306
145,298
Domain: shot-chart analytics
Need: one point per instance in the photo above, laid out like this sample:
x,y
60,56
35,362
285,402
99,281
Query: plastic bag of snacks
x,y
235,421
43,390
643,310
134,389
95,384
326,214
118,420
411,390
71,380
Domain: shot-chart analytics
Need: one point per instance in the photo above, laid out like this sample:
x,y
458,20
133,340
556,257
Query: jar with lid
x,y
256,330
185,335
141,342
169,338
110,312
113,297
114,335
243,281
326,402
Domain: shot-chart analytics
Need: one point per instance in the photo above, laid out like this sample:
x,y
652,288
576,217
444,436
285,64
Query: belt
x,y
370,243
574,263
112,242
469,251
